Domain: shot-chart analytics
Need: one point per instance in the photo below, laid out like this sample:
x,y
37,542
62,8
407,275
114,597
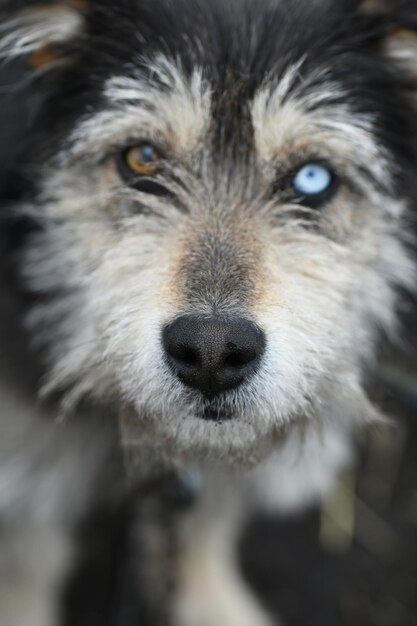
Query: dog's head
x,y
222,191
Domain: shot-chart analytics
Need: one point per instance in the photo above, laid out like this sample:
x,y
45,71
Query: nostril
x,y
184,354
240,358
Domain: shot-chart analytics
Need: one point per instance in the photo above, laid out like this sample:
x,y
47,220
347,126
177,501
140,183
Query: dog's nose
x,y
213,354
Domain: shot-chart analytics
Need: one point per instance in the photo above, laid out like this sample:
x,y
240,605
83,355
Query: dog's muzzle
x,y
213,354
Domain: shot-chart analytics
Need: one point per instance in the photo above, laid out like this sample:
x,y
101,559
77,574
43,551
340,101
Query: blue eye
x,y
313,179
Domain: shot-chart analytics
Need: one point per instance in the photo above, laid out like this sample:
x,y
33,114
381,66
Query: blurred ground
x,y
315,573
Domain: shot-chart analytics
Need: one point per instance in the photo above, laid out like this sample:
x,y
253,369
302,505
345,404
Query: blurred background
x,y
351,563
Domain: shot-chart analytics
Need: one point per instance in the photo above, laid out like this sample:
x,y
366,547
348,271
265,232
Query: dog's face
x,y
222,204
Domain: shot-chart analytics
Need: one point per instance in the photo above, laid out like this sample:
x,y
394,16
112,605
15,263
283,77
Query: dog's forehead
x,y
184,111
239,43
181,69
259,73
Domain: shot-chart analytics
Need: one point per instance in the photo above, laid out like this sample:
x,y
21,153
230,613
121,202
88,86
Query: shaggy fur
x,y
236,97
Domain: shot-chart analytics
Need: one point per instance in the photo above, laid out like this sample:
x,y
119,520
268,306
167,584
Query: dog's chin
x,y
214,412
212,431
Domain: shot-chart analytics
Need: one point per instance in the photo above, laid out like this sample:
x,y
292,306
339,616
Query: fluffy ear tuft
x,y
40,31
400,42
401,49
374,6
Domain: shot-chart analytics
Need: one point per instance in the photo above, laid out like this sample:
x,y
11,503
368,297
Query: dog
x,y
217,200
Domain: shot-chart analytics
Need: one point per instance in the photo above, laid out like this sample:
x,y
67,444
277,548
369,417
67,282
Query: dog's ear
x,y
399,18
401,49
42,32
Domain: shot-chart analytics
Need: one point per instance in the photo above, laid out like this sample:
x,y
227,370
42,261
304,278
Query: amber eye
x,y
143,160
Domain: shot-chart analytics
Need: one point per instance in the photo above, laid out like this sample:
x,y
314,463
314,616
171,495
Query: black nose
x,y
213,354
